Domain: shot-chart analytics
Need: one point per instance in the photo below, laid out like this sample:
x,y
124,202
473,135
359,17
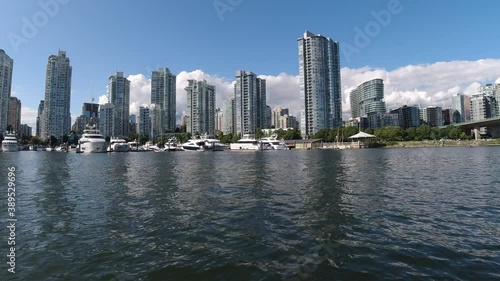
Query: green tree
x,y
36,140
455,133
143,139
411,134
322,134
348,132
435,133
424,132
235,138
464,136
259,133
369,131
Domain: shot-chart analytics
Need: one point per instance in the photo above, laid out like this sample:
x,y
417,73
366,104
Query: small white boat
x,y
273,143
151,146
194,145
247,142
211,143
9,143
171,145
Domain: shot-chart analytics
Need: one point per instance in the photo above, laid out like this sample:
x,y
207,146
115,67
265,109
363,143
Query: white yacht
x,y
92,141
133,145
150,146
211,143
171,145
194,144
273,143
247,142
118,145
9,143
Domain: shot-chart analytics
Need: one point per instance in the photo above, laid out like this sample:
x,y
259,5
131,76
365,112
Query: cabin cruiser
x,y
171,145
247,142
9,143
133,145
92,141
273,143
194,144
118,145
150,146
211,143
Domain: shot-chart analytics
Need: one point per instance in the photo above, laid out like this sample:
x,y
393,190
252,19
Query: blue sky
x,y
102,37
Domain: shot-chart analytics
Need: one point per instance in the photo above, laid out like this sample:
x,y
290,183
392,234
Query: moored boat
x,y
92,141
247,142
9,143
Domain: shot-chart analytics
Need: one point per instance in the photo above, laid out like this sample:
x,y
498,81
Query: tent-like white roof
x,y
362,135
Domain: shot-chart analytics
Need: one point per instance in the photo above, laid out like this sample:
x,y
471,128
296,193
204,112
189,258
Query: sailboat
x,y
340,144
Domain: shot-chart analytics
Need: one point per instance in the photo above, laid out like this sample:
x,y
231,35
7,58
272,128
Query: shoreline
x,y
446,143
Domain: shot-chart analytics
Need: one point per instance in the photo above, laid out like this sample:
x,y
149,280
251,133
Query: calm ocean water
x,y
374,214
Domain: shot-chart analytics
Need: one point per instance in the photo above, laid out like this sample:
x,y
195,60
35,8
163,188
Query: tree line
x,y
424,132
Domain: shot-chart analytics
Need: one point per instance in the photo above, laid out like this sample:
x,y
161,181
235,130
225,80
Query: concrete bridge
x,y
493,125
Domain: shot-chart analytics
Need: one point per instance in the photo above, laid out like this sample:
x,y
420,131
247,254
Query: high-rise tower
x,y
119,97
163,94
250,102
6,66
320,91
56,120
200,107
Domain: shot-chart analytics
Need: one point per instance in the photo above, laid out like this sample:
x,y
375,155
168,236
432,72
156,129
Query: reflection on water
x,y
271,215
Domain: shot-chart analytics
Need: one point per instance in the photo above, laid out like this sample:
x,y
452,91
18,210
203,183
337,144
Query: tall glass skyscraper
x,y
368,98
460,108
6,66
320,91
163,93
119,97
56,120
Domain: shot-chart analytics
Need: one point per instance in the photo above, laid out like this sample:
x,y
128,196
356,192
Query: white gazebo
x,y
357,139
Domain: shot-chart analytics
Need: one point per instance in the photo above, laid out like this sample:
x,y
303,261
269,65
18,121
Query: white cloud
x,y
423,85
28,116
103,99
283,91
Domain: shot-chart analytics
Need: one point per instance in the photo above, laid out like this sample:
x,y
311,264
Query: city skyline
x,y
421,67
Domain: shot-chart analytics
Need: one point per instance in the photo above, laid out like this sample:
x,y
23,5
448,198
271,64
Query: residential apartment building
x,y
119,97
320,89
56,116
163,94
200,107
6,67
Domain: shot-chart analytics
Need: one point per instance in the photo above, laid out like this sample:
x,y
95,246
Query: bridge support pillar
x,y
477,133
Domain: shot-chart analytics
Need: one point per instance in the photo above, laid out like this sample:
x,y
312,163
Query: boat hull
x,y
238,146
10,147
93,147
193,148
120,147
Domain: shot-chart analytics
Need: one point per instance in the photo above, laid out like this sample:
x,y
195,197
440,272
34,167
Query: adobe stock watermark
x,y
363,37
31,26
223,6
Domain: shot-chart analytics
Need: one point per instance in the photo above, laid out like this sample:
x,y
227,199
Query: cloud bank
x,y
422,85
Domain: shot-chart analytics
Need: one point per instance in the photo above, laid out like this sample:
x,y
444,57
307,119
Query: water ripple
x,y
292,215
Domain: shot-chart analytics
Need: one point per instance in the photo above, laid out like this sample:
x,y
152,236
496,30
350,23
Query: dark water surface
x,y
375,214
